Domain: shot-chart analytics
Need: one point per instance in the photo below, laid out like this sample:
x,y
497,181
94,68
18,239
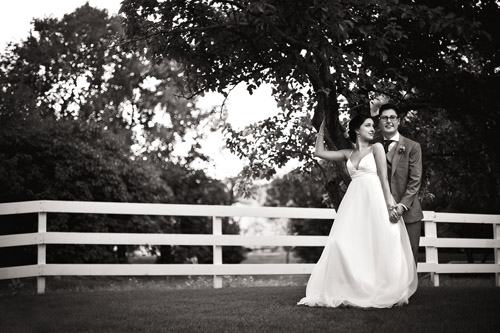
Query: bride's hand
x,y
343,125
393,214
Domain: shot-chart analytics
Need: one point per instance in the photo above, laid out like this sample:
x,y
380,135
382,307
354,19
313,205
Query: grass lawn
x,y
247,309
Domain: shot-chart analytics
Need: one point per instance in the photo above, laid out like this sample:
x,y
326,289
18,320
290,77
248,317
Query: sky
x,y
243,109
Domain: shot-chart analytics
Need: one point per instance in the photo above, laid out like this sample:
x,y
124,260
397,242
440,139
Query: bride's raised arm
x,y
331,155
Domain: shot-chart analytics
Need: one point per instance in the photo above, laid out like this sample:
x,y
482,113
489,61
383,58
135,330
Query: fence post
x,y
431,252
42,228
217,256
496,235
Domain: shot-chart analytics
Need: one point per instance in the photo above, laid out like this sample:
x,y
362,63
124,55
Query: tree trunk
x,y
328,109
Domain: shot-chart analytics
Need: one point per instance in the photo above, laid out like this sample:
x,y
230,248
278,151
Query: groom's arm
x,y
414,176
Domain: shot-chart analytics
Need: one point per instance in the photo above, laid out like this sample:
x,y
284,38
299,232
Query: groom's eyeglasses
x,y
386,119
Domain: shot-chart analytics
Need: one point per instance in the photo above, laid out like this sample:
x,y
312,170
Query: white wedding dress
x,y
367,261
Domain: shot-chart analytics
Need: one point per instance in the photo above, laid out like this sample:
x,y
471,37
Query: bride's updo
x,y
355,124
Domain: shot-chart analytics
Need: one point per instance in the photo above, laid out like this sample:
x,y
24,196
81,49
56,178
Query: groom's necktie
x,y
387,143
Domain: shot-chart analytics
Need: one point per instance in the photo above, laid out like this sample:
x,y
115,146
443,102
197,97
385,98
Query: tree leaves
x,y
72,100
74,68
331,51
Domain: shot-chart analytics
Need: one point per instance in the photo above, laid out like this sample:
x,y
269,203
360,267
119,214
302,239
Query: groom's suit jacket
x,y
404,170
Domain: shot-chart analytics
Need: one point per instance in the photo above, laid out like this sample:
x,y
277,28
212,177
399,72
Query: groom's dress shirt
x,y
394,139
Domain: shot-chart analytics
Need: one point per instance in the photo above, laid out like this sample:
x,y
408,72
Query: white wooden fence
x,y
41,238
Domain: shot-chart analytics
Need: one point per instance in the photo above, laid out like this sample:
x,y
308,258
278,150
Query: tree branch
x,y
234,3
180,31
296,42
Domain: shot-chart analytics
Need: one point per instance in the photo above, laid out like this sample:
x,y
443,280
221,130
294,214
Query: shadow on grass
x,y
247,309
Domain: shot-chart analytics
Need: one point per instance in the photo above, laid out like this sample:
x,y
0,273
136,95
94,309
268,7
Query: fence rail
x,y
430,241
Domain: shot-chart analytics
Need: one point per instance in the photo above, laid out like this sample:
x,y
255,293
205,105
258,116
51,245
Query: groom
x,y
404,170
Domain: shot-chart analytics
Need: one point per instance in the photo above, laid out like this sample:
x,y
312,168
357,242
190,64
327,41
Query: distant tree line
x,y
81,119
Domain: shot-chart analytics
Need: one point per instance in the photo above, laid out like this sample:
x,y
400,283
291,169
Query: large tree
x,y
71,103
321,56
72,68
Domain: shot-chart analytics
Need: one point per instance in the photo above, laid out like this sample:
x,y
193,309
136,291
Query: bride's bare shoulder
x,y
377,147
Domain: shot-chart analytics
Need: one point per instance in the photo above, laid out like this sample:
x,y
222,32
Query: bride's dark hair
x,y
355,124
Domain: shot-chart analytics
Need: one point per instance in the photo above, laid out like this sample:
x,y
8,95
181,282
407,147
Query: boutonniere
x,y
401,149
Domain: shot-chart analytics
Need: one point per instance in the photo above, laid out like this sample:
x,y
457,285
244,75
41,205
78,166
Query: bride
x,y
367,261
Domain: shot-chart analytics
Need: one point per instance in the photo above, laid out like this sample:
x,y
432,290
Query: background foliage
x,y
81,119
107,87
439,61
323,58
295,190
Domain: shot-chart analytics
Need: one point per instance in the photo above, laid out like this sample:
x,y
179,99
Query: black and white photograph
x,y
249,166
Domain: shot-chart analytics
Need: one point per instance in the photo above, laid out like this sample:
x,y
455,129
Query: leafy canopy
x,y
323,58
72,101
73,68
